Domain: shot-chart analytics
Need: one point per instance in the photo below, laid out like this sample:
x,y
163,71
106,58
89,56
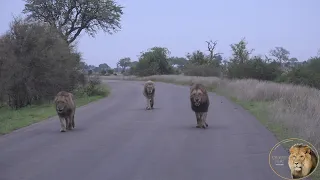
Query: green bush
x,y
255,68
98,90
92,88
307,74
103,72
110,71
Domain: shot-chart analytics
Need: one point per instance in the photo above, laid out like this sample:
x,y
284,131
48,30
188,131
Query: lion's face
x,y
197,96
149,88
298,157
62,101
61,105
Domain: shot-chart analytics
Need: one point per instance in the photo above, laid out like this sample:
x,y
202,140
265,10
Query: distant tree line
x,y
277,66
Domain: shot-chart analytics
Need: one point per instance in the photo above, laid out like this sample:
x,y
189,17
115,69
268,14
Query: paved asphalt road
x,y
117,139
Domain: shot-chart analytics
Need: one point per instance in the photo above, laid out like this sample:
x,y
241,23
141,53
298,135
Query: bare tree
x,y
211,48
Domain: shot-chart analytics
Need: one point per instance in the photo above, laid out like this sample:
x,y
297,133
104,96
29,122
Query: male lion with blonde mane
x,y
65,108
149,93
199,103
302,161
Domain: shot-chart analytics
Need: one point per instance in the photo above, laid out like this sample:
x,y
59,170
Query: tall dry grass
x,y
296,108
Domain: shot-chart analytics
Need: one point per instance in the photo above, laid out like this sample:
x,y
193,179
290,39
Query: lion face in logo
x,y
298,159
302,160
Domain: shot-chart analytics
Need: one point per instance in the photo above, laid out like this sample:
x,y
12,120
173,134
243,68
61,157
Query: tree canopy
x,y
72,17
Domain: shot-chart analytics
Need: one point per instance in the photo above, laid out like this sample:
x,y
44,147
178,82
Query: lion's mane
x,y
145,92
204,104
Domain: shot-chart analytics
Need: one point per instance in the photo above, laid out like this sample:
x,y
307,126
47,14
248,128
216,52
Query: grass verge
x,y
11,120
287,110
258,109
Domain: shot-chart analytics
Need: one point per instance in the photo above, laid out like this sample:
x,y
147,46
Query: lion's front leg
x,y
148,104
151,102
72,122
198,120
204,116
69,123
63,124
203,120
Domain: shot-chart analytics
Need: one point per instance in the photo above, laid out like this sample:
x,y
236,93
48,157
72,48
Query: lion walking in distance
x,y
199,103
149,93
65,108
302,161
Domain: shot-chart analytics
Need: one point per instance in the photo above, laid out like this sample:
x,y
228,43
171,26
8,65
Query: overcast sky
x,y
183,26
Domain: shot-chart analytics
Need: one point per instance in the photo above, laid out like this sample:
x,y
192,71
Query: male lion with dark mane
x,y
302,161
199,103
65,107
149,93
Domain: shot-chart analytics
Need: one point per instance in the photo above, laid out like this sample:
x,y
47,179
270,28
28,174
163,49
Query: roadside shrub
x,y
94,87
103,72
110,71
